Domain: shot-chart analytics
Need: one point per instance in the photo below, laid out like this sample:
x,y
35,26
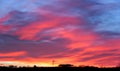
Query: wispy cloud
x,y
78,32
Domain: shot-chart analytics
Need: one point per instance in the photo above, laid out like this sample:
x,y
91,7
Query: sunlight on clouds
x,y
79,32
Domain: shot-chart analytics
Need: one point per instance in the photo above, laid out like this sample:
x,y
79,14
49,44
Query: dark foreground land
x,y
58,69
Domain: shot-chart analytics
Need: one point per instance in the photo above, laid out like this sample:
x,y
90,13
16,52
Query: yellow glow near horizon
x,y
17,63
38,64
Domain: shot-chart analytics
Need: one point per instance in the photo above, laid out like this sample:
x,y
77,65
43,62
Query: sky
x,y
78,32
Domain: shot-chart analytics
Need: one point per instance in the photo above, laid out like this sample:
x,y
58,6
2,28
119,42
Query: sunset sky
x,y
78,32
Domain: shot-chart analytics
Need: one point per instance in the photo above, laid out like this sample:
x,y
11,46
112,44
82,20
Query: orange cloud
x,y
13,54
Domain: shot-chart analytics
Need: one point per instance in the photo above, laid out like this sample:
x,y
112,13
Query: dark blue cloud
x,y
21,18
33,49
105,18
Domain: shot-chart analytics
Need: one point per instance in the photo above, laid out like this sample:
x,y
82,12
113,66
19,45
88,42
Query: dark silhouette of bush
x,y
65,65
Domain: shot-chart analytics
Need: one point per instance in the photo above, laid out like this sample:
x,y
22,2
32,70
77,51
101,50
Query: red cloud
x,y
29,32
12,54
68,38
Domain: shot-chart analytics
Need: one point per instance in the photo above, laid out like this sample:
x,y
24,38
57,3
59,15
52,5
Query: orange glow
x,y
13,54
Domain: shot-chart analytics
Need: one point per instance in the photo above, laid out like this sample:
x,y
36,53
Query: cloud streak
x,y
81,32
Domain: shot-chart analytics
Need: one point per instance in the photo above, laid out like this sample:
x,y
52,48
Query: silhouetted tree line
x,y
61,67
